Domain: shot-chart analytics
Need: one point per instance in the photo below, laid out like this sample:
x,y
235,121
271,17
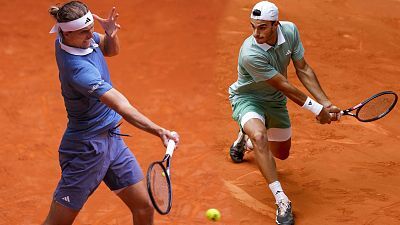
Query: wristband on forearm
x,y
313,106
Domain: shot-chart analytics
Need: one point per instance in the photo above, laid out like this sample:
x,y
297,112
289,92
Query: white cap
x,y
265,11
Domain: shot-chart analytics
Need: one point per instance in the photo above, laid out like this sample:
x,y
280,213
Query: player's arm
x,y
280,83
310,81
109,43
115,100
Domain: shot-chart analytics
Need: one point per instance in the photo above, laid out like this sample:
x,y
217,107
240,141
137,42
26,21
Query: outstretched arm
x,y
115,100
281,83
310,81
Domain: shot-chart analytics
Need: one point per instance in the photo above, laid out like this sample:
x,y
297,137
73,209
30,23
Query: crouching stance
x,y
258,97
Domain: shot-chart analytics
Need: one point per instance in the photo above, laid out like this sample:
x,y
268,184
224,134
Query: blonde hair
x,y
69,11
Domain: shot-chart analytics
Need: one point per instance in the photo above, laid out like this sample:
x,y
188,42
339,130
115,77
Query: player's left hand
x,y
110,24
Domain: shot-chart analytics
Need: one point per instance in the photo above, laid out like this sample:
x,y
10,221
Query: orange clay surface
x,y
177,60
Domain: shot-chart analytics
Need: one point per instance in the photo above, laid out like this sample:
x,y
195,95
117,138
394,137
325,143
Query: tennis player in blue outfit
x,y
92,149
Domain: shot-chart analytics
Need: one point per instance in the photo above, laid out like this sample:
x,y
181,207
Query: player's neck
x,y
273,40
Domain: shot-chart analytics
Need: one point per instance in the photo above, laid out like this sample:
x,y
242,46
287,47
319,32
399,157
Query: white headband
x,y
74,25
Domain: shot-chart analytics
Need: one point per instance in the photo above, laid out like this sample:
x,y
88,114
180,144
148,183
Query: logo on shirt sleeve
x,y
96,86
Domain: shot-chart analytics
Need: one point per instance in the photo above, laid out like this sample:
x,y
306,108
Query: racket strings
x,y
377,107
159,187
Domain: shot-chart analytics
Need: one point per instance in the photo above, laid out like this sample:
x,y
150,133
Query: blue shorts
x,y
85,163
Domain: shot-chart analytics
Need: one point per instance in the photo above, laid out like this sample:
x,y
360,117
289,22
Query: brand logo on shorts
x,y
66,198
288,52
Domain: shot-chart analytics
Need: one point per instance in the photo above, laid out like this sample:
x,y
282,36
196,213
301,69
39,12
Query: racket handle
x,y
171,145
340,115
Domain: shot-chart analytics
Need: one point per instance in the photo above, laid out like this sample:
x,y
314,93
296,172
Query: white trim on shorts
x,y
279,134
251,115
273,134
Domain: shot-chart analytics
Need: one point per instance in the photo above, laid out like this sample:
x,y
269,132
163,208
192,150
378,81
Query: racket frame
x,y
167,177
358,107
167,159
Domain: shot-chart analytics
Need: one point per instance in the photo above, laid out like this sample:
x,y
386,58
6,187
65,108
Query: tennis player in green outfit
x,y
258,98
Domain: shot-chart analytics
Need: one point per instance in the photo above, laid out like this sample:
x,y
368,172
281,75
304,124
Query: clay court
x,y
176,62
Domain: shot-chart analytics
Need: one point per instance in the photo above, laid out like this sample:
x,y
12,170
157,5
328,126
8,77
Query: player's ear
x,y
66,34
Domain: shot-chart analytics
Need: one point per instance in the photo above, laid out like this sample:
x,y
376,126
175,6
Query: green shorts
x,y
274,114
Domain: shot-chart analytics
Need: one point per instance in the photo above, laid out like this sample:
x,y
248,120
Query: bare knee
x,y
260,141
143,214
144,209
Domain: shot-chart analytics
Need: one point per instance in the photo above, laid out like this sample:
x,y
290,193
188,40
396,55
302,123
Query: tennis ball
x,y
163,174
213,214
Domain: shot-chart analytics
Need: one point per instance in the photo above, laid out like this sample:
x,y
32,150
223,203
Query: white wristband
x,y
313,106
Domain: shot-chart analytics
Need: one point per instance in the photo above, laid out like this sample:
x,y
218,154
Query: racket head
x,y
159,187
376,107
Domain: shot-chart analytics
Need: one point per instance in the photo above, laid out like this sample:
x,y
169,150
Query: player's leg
x,y
256,131
82,164
258,135
280,141
279,136
279,129
60,215
242,111
125,178
138,201
279,148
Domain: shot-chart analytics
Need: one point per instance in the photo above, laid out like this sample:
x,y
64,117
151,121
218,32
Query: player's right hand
x,y
167,135
335,112
324,116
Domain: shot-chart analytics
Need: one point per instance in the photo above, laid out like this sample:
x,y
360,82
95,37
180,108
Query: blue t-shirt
x,y
84,79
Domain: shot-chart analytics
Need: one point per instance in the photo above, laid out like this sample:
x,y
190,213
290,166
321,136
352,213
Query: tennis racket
x,y
159,181
373,108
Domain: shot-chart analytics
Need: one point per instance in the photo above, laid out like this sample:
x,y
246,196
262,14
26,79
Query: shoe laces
x,y
283,207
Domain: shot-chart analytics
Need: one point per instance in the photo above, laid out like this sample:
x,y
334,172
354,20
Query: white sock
x,y
277,191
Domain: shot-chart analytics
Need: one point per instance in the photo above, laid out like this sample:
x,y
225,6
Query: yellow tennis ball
x,y
163,174
213,214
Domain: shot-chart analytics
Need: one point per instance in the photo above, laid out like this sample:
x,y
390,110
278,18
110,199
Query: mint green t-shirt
x,y
260,62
